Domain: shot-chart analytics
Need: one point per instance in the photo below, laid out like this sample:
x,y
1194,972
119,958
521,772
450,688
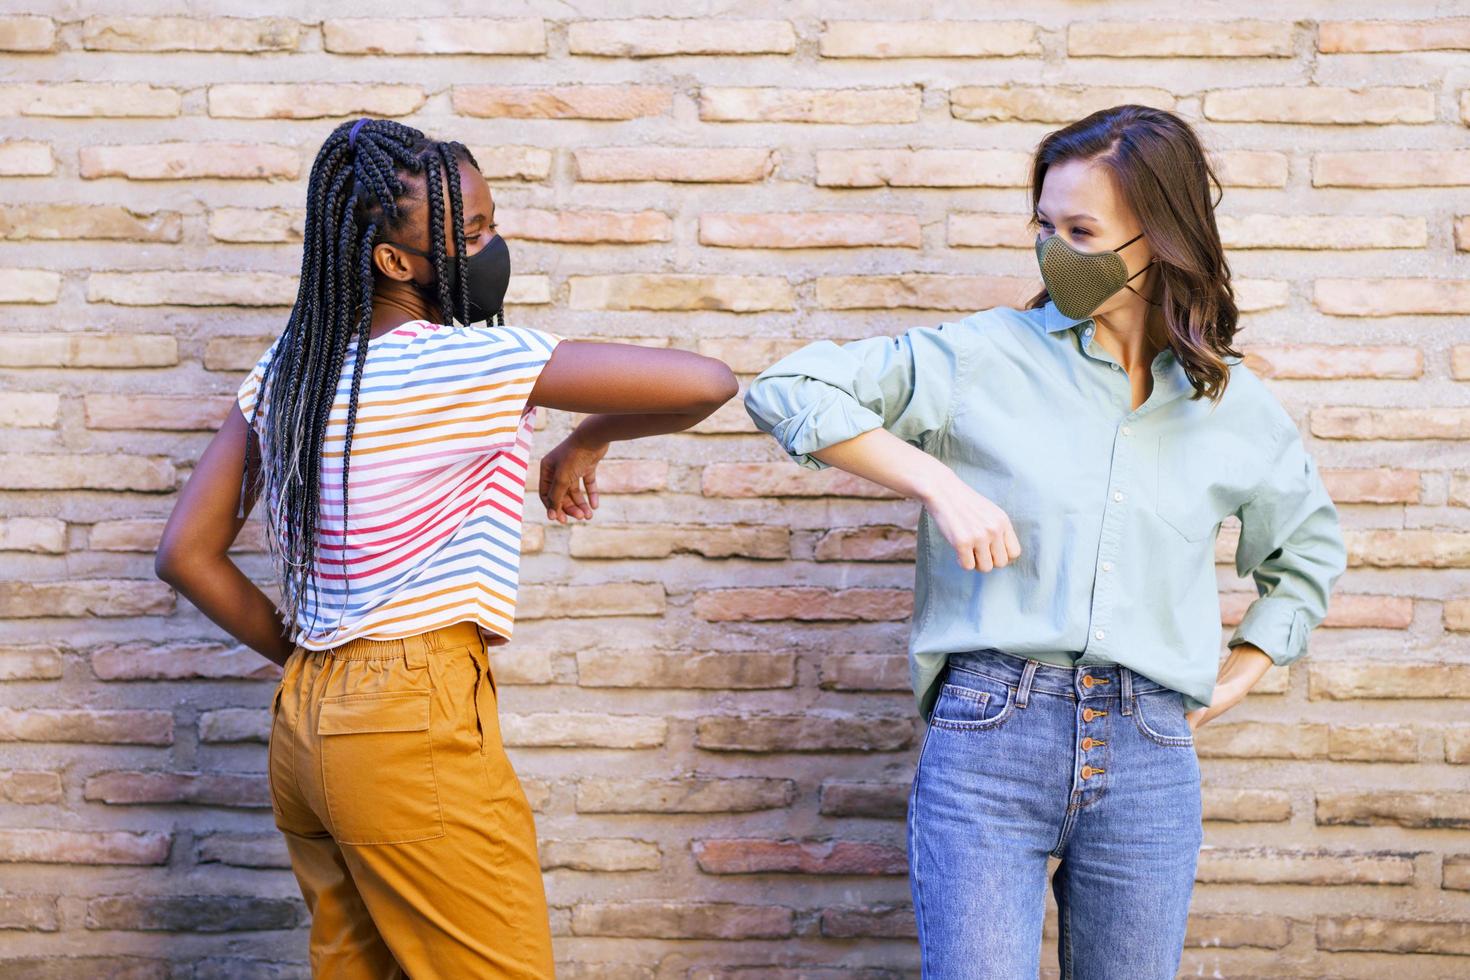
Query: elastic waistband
x,y
1084,681
452,637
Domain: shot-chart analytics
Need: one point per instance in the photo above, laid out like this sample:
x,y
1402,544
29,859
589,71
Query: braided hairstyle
x,y
367,181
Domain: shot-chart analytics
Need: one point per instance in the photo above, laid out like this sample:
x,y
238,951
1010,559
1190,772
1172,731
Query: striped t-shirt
x,y
440,448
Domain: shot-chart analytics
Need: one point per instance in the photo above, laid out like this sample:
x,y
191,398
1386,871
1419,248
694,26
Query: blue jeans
x,y
1093,765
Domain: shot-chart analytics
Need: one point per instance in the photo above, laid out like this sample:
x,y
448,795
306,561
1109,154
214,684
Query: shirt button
x,y
1107,566
1117,495
1127,431
1099,634
1117,368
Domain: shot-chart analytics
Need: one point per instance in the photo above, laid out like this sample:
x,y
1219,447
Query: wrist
x,y
930,480
584,434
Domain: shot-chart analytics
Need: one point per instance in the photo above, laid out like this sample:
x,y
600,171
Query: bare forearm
x,y
604,429
237,605
1245,664
885,459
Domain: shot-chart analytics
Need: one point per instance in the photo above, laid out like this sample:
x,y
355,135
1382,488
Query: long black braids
x,y
366,181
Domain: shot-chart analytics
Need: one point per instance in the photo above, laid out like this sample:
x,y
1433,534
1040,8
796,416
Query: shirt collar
x,y
1057,321
1170,381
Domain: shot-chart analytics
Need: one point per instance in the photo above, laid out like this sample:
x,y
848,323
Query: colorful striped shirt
x,y
440,448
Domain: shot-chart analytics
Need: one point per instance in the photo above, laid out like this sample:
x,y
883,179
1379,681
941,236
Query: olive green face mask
x,y
1079,282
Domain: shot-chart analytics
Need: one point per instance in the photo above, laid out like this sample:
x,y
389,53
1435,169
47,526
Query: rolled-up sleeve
x,y
826,393
1291,545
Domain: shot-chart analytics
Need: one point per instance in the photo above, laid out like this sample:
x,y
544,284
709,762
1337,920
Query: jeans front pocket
x,y
969,701
378,768
1161,717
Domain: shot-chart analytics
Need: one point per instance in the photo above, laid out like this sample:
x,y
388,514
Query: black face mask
x,y
489,277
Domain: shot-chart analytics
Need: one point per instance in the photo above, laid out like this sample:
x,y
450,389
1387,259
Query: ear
x,y
392,263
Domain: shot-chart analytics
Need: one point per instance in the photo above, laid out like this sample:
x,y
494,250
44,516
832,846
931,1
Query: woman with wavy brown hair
x,y
1076,458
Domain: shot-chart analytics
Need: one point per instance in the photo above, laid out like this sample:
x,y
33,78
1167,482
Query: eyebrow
x,y
1071,217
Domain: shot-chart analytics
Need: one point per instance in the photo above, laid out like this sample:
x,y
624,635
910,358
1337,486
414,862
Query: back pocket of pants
x,y
378,768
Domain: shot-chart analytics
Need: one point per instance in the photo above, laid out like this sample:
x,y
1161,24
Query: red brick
x,y
650,38
435,35
585,227
853,106
813,230
785,480
811,732
1368,934
677,165
922,168
928,39
85,597
1444,34
922,292
46,845
729,856
562,101
685,794
89,99
725,670
674,920
122,727
250,35
803,603
188,161
226,789
878,922
200,413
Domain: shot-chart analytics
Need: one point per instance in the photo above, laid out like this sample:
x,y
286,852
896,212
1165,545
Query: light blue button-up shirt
x,y
1117,509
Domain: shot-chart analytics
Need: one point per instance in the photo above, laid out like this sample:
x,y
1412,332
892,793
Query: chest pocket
x,y
1202,477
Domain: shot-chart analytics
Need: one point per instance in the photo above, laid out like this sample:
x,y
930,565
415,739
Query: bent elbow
x,y
720,385
166,565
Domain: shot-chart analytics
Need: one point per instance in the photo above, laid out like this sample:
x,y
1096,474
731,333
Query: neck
x,y
1135,326
396,303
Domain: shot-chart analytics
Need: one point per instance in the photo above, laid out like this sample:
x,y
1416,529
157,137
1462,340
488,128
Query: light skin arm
x,y
978,530
983,538
1243,667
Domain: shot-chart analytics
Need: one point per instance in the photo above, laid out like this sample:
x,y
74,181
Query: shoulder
x,y
998,324
500,337
1252,405
249,390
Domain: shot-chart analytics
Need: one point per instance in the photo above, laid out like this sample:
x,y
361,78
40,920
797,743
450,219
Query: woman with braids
x,y
1075,460
387,434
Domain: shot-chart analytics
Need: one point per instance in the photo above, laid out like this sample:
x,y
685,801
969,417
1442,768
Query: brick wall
x,y
707,696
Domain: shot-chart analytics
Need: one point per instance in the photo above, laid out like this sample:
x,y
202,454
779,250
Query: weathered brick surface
x,y
707,699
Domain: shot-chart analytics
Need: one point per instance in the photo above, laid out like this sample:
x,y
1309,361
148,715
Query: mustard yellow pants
x,y
409,833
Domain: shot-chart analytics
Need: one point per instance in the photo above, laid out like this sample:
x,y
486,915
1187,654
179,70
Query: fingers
x,y
993,546
543,491
579,500
589,480
563,498
1013,543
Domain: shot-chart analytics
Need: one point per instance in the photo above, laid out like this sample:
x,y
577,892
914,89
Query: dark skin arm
x,y
631,392
637,391
193,555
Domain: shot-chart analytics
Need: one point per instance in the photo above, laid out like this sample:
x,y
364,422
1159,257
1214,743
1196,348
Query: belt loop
x,y
414,652
1024,691
1127,691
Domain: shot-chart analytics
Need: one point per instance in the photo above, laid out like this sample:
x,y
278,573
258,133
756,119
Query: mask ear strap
x,y
1135,276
